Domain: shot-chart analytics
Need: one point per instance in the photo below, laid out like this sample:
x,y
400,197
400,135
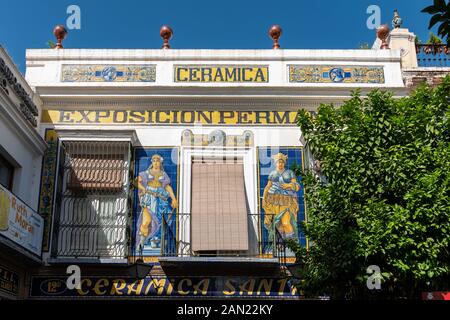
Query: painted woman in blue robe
x,y
154,193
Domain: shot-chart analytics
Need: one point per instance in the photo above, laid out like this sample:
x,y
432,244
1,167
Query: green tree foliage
x,y
363,45
441,14
433,39
386,197
51,44
417,40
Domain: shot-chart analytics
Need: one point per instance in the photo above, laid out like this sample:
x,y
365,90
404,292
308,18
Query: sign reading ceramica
x,y
20,223
233,73
160,286
169,117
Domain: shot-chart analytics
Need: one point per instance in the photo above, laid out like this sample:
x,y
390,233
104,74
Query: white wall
x,y
44,65
26,181
20,141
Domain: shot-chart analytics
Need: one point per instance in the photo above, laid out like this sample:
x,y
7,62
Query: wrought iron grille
x,y
93,215
433,55
280,250
179,243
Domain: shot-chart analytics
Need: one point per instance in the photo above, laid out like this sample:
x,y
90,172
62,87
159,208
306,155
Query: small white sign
x,y
20,223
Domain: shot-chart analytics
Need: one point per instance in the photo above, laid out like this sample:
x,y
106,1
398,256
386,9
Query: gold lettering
x,y
206,73
212,117
245,73
64,116
202,286
169,288
158,119
101,283
53,286
187,116
137,117
179,71
282,119
101,114
180,286
282,283
88,283
230,288
157,284
293,290
135,287
224,115
248,287
230,74
219,75
203,118
118,284
193,73
243,117
259,75
267,286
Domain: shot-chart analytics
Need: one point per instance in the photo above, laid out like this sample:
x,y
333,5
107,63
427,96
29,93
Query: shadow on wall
x,y
93,211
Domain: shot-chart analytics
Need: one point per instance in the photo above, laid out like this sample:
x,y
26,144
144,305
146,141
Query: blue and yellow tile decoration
x,y
142,163
108,73
335,74
266,166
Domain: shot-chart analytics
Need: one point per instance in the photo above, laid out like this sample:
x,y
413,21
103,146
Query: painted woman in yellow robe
x,y
280,202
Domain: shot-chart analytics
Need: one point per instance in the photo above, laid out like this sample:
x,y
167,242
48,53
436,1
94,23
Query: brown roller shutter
x,y
219,207
96,166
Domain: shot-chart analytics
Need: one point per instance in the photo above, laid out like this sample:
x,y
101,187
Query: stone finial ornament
x,y
382,34
396,21
166,33
60,33
275,33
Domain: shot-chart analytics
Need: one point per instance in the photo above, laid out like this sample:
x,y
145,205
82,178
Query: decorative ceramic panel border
x,y
217,138
335,74
48,177
108,73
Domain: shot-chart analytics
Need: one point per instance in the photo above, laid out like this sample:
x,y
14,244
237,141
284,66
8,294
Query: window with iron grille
x,y
93,200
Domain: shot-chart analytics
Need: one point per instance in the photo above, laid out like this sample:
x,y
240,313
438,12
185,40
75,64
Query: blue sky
x,y
211,24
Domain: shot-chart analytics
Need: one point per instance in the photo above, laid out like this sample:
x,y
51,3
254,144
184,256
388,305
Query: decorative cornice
x,y
190,105
94,135
320,91
9,81
15,119
211,55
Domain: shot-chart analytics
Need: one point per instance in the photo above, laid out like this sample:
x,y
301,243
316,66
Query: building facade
x,y
21,152
187,160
